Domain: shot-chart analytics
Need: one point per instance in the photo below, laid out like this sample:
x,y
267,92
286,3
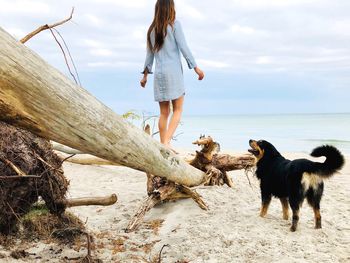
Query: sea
x,y
288,132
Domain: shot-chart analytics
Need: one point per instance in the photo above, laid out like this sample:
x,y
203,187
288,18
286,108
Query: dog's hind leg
x,y
314,199
266,200
285,207
295,219
295,203
318,222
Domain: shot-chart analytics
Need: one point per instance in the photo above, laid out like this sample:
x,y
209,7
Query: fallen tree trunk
x,y
37,97
84,159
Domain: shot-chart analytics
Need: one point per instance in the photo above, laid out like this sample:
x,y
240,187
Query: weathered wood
x,y
147,205
217,165
65,149
227,162
45,27
103,201
190,194
37,97
157,196
79,157
84,159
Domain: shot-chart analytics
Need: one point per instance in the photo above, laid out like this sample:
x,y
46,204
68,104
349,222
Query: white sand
x,y
231,231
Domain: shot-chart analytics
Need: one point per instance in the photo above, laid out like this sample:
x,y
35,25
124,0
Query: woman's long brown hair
x,y
164,15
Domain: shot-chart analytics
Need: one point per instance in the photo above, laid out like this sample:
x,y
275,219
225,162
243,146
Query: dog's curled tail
x,y
333,163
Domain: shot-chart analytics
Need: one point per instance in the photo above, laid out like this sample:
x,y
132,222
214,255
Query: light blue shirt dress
x,y
168,74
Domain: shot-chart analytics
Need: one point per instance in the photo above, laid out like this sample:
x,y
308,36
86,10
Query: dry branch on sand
x,y
208,160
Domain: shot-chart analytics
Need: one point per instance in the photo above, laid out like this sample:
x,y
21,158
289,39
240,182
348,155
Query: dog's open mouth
x,y
254,151
254,148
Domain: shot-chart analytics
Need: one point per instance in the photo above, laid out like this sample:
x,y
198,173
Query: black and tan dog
x,y
292,181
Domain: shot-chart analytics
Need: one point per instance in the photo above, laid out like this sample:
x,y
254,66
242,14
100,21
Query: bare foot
x,y
170,148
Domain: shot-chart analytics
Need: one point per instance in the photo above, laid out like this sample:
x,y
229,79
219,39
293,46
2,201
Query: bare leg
x,y
175,119
285,207
163,120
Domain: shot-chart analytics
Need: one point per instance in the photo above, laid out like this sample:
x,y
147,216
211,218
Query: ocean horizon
x,y
288,132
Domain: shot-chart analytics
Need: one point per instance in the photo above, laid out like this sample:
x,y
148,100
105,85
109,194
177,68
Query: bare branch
x,y
45,27
13,166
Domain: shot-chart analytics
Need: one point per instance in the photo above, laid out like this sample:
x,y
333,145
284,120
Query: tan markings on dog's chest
x,y
311,181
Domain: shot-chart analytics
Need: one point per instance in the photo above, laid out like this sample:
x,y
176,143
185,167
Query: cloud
x,y
93,20
101,52
213,64
232,35
111,65
342,27
301,40
264,60
124,4
24,7
242,29
16,32
188,10
264,4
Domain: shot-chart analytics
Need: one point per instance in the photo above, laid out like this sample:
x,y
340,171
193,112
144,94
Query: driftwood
x,y
65,149
217,165
37,97
163,190
45,27
87,201
203,161
75,156
84,159
160,189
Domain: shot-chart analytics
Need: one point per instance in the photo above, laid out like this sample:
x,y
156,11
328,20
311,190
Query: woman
x,y
165,41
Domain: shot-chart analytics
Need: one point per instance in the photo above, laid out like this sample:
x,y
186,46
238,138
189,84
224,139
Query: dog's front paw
x,y
318,224
286,217
293,228
262,214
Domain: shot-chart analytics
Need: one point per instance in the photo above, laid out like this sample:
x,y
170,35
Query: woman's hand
x,y
199,72
143,81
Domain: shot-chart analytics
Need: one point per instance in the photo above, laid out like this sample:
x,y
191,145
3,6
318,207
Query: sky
x,y
259,56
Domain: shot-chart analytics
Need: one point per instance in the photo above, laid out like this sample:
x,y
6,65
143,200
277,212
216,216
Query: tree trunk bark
x,y
37,97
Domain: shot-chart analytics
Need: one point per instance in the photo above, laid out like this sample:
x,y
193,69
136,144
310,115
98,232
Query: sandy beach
x,y
231,231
